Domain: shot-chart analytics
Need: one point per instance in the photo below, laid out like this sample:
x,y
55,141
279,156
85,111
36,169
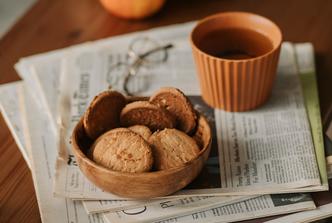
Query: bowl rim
x,y
78,152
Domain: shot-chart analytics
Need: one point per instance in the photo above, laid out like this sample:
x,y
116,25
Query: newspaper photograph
x,y
262,206
270,144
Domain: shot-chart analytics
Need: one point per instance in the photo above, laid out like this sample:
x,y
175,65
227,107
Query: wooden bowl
x,y
141,185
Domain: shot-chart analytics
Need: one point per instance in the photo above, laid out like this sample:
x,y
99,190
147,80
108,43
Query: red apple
x,y
132,9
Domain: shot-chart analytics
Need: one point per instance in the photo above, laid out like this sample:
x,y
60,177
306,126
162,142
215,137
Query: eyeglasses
x,y
142,52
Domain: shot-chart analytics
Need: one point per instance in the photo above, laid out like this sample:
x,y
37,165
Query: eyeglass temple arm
x,y
164,47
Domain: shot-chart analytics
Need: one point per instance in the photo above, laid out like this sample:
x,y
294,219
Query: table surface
x,y
50,25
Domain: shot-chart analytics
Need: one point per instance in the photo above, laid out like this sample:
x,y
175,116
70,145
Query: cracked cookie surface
x,y
172,148
122,150
141,130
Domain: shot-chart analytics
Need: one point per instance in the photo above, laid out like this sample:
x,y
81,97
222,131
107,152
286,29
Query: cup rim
x,y
275,48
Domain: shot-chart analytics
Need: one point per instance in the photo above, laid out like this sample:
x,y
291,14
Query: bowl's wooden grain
x,y
141,185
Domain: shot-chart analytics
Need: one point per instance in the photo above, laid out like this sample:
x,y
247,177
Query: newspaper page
x,y
116,205
26,73
150,213
266,205
169,208
119,205
41,142
8,106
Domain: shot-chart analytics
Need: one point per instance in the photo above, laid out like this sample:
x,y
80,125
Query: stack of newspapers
x,y
262,162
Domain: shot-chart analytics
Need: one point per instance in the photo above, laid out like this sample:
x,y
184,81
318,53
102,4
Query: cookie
x,y
178,105
103,113
141,130
122,150
145,113
172,148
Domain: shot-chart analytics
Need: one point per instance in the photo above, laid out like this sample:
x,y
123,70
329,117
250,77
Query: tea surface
x,y
235,44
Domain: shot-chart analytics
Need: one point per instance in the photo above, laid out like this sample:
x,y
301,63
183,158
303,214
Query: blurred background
x,y
10,12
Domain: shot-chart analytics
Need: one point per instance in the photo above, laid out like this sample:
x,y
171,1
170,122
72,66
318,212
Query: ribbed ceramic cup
x,y
235,84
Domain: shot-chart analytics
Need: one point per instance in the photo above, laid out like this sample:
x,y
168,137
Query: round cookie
x,y
178,105
103,113
145,113
122,150
141,130
172,148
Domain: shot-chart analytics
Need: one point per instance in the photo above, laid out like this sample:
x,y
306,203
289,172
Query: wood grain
x,y
18,201
143,185
51,25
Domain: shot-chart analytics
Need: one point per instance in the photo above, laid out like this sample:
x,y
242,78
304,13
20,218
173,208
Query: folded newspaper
x,y
41,133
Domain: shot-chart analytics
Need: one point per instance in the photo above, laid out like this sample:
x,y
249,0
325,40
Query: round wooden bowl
x,y
141,185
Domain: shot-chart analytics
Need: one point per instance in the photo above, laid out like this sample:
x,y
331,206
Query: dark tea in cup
x,y
235,44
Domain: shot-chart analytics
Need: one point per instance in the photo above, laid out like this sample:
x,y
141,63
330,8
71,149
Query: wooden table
x,y
50,25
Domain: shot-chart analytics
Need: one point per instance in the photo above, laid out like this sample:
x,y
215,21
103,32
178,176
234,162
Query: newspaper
x,y
266,205
116,205
190,86
155,211
48,139
255,163
181,206
54,208
73,208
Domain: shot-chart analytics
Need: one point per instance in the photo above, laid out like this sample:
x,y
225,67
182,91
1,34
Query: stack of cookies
x,y
142,135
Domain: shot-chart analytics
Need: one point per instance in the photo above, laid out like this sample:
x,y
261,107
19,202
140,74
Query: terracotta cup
x,y
236,55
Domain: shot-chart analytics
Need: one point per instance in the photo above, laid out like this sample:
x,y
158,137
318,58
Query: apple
x,y
132,9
